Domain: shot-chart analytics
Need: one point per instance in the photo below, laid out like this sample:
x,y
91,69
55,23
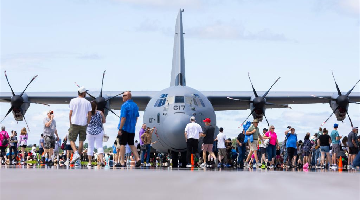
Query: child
x,y
117,157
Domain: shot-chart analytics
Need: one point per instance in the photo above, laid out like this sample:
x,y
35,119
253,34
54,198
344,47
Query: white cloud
x,y
233,31
351,6
164,3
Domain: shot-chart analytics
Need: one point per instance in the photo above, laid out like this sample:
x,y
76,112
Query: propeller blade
x,y
270,88
247,117
28,84
266,120
115,96
348,93
12,91
86,91
269,104
337,87
112,112
102,84
26,123
329,116
256,95
349,119
9,111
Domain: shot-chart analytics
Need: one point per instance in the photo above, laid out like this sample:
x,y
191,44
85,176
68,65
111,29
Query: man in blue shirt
x,y
291,144
126,127
335,140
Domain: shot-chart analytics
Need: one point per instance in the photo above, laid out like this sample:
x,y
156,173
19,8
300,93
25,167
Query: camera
x,y
289,127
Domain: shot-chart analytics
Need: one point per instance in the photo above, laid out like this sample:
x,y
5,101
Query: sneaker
x,y
219,165
188,165
203,165
271,167
263,166
148,165
75,158
246,165
138,163
89,164
77,163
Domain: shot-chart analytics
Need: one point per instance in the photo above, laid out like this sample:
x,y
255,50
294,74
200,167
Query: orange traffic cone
x,y
192,160
71,165
340,164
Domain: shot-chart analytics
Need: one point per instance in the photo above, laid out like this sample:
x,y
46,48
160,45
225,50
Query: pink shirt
x,y
3,136
273,138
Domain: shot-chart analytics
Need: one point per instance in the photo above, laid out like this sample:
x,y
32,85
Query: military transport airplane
x,y
170,109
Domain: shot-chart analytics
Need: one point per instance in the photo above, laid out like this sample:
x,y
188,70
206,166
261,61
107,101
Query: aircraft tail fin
x,y
178,62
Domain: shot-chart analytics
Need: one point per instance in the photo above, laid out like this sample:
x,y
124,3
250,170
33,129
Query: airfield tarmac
x,y
166,183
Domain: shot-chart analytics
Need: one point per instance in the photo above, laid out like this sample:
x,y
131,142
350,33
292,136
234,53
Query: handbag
x,y
105,138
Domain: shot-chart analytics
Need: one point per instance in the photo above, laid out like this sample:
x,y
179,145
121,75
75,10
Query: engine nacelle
x,y
340,113
257,107
20,106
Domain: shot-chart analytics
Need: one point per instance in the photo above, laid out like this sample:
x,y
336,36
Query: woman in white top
x,y
95,133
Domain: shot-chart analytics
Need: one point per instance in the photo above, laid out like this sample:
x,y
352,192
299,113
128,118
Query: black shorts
x,y
127,138
23,146
41,151
353,150
262,150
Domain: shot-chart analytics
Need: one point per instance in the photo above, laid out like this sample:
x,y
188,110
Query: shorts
x,y
24,146
49,142
307,153
68,147
41,151
76,130
336,148
208,147
262,150
127,138
253,145
222,152
325,149
353,150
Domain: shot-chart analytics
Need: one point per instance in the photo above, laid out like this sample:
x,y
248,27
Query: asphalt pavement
x,y
31,182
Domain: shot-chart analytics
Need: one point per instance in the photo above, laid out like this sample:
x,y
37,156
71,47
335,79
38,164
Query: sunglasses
x,y
125,95
272,128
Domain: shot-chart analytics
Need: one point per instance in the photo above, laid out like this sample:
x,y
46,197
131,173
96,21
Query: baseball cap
x,y
355,128
192,118
208,120
336,125
265,129
82,89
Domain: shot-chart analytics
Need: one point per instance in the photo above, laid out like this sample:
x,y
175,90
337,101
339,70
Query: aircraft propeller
x,y
100,100
17,100
259,102
342,101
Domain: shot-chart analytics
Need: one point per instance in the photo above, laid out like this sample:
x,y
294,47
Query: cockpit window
x,y
179,99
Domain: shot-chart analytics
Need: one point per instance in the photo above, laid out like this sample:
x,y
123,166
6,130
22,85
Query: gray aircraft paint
x,y
178,62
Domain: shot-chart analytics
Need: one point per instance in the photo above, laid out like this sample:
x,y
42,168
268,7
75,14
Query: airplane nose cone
x,y
174,129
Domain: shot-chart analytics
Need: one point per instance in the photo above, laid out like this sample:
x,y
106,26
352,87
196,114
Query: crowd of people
x,y
250,149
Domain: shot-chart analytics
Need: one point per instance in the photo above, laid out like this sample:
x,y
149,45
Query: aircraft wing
x,y
220,101
141,98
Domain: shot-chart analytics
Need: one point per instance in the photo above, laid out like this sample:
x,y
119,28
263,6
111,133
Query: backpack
x,y
4,141
247,137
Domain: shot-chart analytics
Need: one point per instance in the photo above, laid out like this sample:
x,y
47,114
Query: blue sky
x,y
75,40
